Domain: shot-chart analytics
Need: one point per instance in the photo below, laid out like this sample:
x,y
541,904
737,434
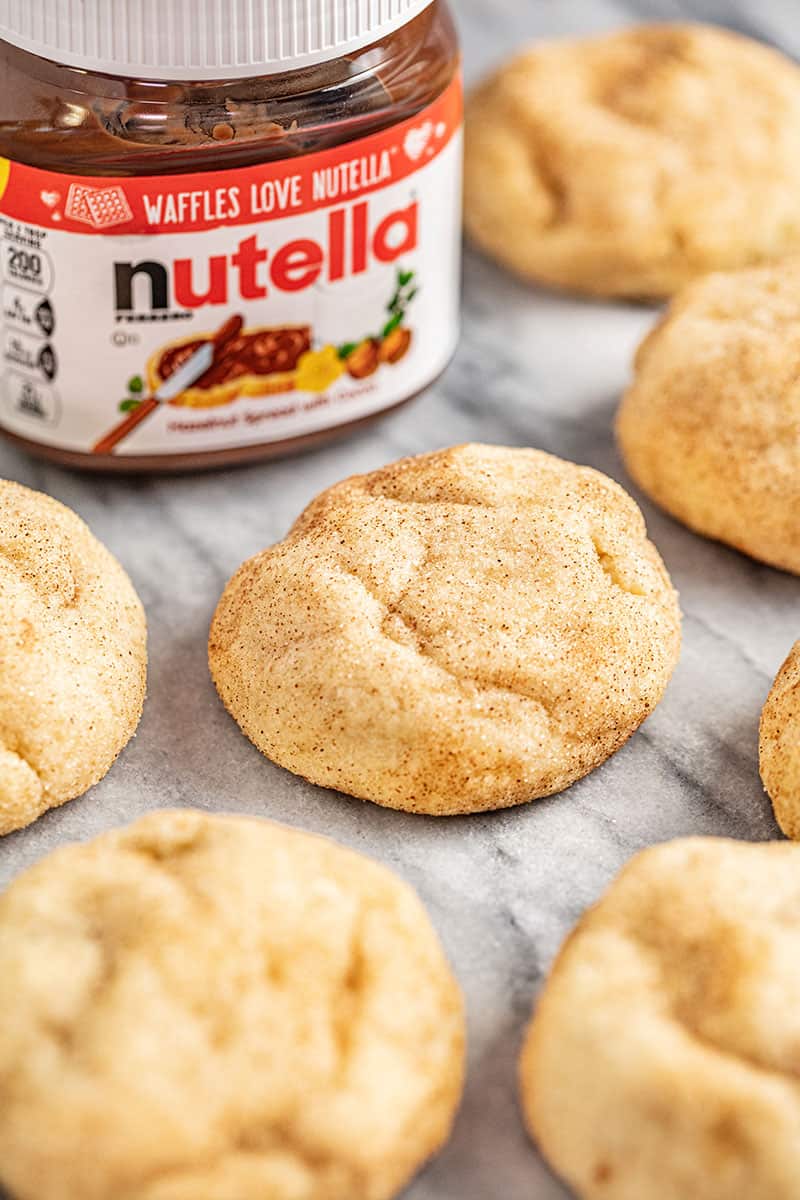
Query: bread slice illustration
x,y
257,362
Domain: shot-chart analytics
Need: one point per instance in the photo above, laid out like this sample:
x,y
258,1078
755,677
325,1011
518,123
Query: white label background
x,y
93,373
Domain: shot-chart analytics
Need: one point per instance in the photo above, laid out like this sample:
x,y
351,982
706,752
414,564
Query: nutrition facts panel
x,y
30,363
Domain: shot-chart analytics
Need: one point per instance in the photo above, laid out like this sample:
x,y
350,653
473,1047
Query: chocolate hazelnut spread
x,y
271,239
263,352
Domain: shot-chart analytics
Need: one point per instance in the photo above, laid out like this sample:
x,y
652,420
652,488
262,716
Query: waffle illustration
x,y
101,208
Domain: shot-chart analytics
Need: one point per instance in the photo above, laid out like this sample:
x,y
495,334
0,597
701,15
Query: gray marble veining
x,y
503,890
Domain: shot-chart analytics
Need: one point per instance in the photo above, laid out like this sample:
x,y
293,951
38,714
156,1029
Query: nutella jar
x,y
228,230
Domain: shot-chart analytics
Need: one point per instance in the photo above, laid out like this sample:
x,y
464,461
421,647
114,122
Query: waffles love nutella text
x,y
283,195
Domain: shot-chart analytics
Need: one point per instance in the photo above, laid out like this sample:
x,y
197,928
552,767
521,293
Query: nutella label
x,y
184,314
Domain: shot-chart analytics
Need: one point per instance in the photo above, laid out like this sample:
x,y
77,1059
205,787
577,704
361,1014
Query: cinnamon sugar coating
x,y
73,656
710,427
199,1008
629,164
463,631
663,1060
779,745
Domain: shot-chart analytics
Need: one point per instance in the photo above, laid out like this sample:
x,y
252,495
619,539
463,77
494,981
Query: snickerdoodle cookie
x,y
72,656
663,1061
710,428
780,745
218,1008
462,631
627,164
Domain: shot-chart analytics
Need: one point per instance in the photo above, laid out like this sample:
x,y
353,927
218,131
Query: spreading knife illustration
x,y
193,369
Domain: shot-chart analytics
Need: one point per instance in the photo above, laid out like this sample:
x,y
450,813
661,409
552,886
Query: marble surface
x,y
504,889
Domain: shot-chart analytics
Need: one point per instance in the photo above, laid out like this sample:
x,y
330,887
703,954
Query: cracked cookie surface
x,y
628,164
462,631
202,1007
779,745
663,1060
72,656
710,427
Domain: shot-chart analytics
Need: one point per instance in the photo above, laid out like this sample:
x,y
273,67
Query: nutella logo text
x,y
352,244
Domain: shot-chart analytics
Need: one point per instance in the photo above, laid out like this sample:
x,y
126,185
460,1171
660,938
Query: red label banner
x,y
178,204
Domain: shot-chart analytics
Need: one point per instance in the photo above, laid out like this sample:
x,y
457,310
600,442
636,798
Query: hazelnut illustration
x,y
396,345
365,359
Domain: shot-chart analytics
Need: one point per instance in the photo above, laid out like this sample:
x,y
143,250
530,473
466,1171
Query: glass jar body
x,y
72,123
